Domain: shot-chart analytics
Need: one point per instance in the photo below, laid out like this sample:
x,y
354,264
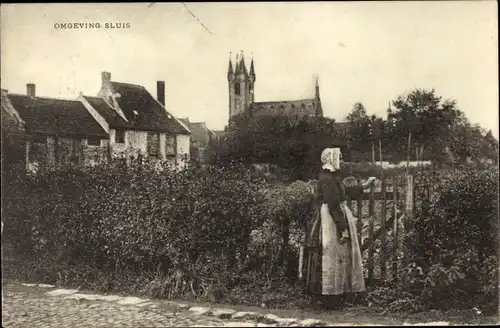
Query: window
x,y
94,141
153,144
237,89
120,136
170,145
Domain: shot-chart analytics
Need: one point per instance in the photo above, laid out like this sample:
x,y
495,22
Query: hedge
x,y
217,233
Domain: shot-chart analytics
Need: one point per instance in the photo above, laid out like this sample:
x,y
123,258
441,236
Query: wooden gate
x,y
384,215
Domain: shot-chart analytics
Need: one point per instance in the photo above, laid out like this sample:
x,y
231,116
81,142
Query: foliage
x,y
292,143
137,217
454,260
436,129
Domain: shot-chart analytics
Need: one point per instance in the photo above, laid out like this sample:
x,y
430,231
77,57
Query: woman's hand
x,y
370,182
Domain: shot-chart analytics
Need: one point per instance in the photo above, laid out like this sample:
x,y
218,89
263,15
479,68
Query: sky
x,y
369,52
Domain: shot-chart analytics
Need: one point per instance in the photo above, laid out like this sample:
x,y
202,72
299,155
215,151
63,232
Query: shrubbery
x,y
455,262
218,233
136,218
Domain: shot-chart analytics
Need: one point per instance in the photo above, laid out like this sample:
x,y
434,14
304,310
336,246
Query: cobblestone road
x,y
30,307
33,306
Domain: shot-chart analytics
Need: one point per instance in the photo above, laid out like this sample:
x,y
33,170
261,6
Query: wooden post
x,y
383,231
359,223
371,250
373,153
408,153
408,214
383,217
395,236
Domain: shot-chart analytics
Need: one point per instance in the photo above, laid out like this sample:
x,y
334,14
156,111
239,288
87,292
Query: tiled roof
x,y
143,111
293,107
199,132
9,109
56,116
109,114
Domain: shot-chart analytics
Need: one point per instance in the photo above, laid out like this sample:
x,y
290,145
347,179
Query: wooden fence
x,y
383,229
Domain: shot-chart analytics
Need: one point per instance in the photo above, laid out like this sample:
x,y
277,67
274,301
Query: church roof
x,y
301,107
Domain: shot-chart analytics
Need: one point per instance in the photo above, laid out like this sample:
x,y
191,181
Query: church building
x,y
241,82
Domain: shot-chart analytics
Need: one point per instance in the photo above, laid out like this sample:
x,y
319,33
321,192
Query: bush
x,y
138,218
455,262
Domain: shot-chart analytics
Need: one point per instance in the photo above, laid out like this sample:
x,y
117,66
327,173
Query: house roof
x,y
199,131
52,116
300,107
218,133
107,112
143,111
7,108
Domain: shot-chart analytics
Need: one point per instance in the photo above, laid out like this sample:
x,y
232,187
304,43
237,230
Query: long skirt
x,y
332,268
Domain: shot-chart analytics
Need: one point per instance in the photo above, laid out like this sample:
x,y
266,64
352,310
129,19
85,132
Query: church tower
x,y
241,86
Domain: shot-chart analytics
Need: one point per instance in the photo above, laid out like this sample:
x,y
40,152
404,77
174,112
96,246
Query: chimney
x,y
106,77
160,92
30,90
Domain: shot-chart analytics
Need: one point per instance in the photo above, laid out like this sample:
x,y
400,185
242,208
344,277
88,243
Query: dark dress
x,y
332,191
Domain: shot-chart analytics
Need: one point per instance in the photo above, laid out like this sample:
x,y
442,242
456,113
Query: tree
x,y
359,139
424,119
292,143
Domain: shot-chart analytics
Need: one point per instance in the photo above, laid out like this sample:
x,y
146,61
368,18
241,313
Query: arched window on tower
x,y
237,89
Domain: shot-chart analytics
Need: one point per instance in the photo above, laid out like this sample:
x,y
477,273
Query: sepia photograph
x,y
250,164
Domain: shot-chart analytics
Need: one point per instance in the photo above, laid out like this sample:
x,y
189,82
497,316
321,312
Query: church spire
x,y
243,67
317,88
230,72
237,66
317,100
252,70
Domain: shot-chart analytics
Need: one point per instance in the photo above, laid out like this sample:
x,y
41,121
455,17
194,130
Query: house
x,y
201,137
58,131
13,139
137,123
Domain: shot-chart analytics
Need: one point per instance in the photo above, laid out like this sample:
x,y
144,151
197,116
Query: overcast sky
x,y
362,51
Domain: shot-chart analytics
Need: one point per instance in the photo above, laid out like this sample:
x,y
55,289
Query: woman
x,y
334,264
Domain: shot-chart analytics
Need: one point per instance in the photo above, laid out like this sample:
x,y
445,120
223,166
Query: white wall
x,y
135,142
183,143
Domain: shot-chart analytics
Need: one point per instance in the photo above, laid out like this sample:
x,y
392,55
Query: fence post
x,y
408,214
371,249
395,227
359,223
383,232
